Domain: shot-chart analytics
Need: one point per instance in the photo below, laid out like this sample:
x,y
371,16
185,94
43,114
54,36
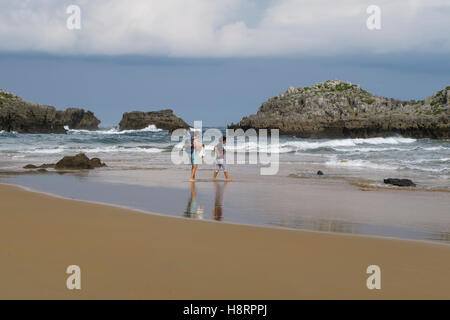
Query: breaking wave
x,y
150,128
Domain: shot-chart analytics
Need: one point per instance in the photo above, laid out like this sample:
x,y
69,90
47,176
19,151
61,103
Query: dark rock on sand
x,y
29,117
80,161
400,182
319,173
163,119
337,109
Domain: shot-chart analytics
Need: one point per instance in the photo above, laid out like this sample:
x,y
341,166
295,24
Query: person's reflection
x,y
219,189
193,210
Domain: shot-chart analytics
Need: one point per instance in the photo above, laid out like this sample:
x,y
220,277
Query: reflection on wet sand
x,y
337,226
219,194
307,205
324,225
193,210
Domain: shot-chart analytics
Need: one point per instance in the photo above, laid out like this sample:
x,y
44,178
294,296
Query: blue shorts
x,y
194,158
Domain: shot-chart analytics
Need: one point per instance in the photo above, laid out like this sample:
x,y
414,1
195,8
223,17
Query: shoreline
x,y
362,183
369,184
128,254
319,205
160,214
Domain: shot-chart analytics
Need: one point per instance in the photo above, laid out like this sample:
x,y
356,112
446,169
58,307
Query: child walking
x,y
220,159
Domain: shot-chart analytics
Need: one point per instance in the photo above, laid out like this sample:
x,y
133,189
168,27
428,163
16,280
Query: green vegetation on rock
x,y
341,109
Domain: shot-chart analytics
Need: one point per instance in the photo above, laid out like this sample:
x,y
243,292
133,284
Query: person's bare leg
x,y
226,176
194,168
215,175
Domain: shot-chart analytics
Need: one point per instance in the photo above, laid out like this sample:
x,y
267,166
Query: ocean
x,y
425,161
141,175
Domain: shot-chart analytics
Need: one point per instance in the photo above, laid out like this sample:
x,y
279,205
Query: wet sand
x,y
132,255
316,204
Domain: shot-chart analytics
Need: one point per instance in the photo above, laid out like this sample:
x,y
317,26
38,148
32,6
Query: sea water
x,y
426,161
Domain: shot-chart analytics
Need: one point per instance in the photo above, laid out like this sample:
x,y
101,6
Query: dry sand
x,y
132,255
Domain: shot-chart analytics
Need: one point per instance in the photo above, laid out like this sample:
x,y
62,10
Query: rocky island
x,y
29,117
337,109
162,119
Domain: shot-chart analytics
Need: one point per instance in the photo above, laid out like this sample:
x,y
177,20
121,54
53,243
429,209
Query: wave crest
x,y
150,128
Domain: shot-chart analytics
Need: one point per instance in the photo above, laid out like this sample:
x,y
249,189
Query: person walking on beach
x,y
195,150
220,159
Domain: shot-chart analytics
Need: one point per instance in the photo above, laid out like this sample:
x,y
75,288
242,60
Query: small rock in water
x,y
30,166
400,182
319,173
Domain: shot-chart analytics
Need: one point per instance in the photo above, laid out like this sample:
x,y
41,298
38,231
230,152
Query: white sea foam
x,y
344,145
110,149
435,148
427,169
45,151
251,146
7,132
427,160
388,140
150,128
334,144
365,164
368,149
359,164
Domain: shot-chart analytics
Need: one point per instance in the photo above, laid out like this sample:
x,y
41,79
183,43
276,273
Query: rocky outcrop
x,y
28,117
163,119
80,161
76,118
336,109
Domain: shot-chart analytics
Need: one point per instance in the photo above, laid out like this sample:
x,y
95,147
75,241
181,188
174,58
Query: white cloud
x,y
217,28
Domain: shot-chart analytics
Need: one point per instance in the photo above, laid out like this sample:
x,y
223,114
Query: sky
x,y
214,60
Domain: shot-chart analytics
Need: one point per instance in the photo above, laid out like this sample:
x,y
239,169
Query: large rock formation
x,y
76,118
335,109
163,119
29,117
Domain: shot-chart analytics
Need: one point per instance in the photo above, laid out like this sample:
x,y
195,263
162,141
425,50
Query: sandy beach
x,y
126,254
225,150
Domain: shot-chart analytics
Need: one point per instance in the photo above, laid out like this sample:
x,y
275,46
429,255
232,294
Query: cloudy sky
x,y
216,60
